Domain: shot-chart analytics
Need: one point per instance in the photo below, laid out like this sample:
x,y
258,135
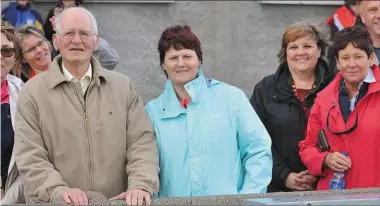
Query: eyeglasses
x,y
7,52
33,48
83,34
349,130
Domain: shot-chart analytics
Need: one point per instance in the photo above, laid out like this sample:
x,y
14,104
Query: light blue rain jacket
x,y
217,146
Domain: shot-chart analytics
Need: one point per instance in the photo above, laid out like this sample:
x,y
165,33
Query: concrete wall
x,y
240,39
368,196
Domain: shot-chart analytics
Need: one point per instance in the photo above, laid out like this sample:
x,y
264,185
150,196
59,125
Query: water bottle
x,y
338,180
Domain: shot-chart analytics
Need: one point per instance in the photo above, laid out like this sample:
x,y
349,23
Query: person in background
x,y
34,54
107,56
347,111
283,101
347,15
48,27
210,139
370,15
20,13
11,184
82,128
358,21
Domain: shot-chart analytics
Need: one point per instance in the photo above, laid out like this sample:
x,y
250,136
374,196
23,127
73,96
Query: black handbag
x,y
323,144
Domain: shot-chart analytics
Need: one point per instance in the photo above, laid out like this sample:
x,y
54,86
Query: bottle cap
x,y
345,153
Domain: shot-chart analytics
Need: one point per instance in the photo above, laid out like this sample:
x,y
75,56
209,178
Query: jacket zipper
x,y
88,136
85,116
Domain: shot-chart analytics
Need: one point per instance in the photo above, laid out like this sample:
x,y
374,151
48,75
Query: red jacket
x,y
362,144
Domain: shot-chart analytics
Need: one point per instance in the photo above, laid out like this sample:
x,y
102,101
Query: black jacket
x,y
283,116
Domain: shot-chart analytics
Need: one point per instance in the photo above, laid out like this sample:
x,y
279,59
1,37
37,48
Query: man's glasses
x,y
33,48
83,34
347,131
7,52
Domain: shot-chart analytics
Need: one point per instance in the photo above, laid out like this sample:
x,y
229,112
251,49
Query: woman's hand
x,y
309,178
52,21
337,162
300,181
57,11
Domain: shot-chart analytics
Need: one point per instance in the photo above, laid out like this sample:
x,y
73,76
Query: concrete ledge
x,y
237,199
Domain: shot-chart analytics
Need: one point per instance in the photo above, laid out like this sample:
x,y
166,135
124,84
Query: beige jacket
x,y
103,143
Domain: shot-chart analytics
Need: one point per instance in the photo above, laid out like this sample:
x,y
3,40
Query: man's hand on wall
x,y
74,196
134,197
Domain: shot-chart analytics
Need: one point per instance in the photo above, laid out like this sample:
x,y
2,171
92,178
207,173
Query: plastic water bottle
x,y
338,180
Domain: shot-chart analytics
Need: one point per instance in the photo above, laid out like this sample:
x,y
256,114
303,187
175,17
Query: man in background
x,y
370,15
20,13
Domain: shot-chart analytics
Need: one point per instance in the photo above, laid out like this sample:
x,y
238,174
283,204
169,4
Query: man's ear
x,y
361,12
55,41
97,41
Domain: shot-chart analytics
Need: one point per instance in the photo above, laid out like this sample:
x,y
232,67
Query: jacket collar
x,y
373,78
370,78
15,82
375,60
283,80
14,85
57,76
171,106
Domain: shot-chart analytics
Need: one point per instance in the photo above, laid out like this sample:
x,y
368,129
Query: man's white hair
x,y
58,20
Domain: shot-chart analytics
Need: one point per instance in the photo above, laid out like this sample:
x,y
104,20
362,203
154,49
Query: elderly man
x,y
82,128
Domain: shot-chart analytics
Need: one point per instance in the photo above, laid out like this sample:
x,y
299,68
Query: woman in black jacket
x,y
283,101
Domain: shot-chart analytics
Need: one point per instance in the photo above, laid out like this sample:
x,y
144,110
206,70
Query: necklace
x,y
295,90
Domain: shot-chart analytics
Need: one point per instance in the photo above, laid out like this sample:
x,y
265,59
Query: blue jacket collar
x,y
171,106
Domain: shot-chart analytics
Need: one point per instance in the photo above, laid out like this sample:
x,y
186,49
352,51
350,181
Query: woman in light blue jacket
x,y
210,140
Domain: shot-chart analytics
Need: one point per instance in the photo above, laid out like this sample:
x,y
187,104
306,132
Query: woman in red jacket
x,y
347,111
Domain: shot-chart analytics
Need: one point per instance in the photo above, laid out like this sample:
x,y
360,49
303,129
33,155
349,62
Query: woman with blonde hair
x,y
283,101
34,55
